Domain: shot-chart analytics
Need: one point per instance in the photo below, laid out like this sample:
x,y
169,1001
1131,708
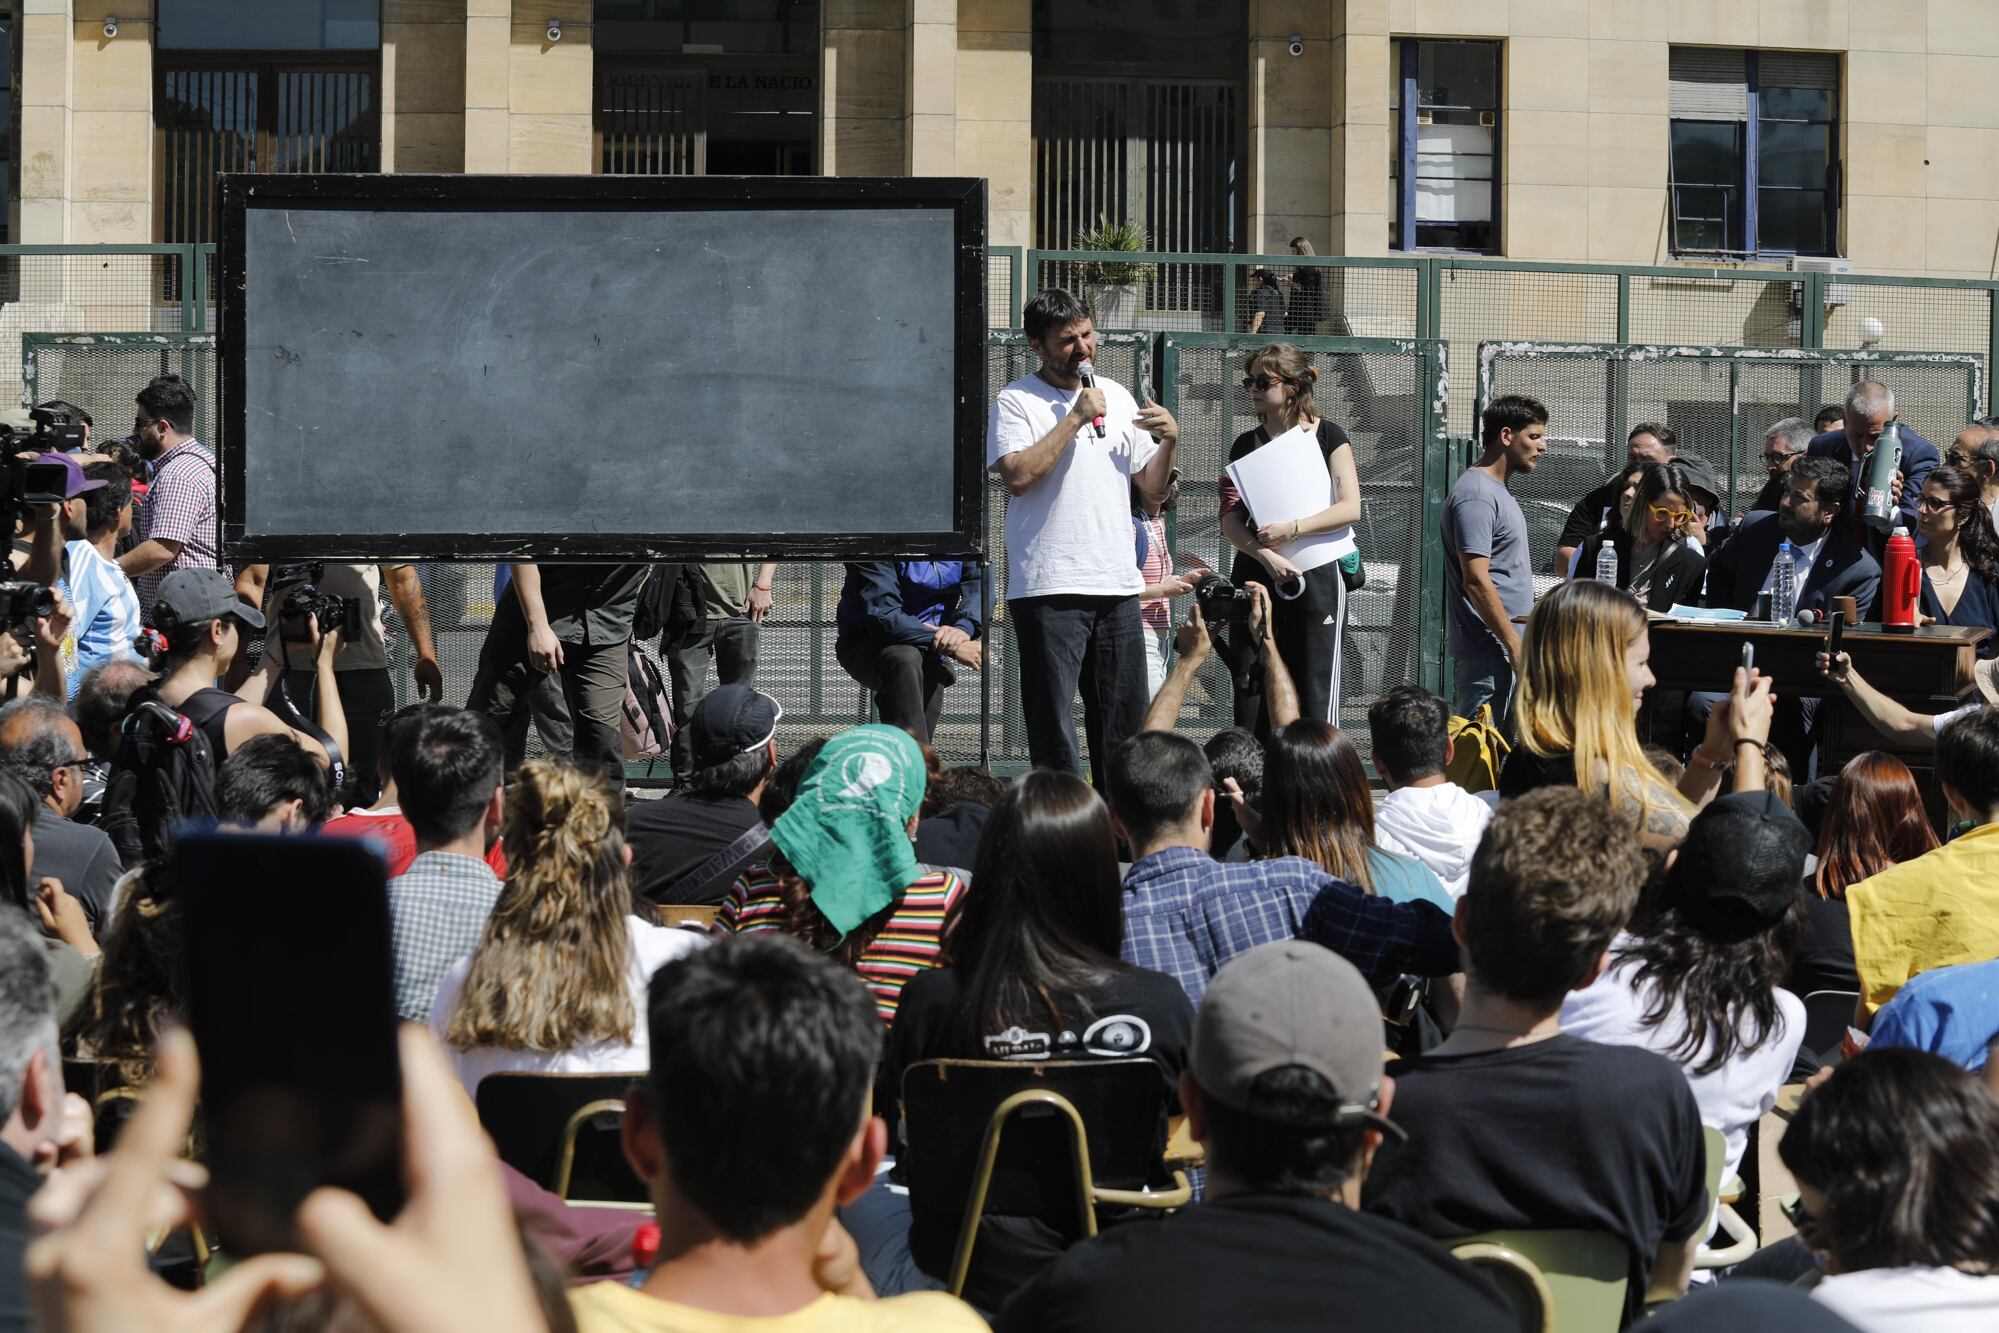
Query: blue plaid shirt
x,y
1186,914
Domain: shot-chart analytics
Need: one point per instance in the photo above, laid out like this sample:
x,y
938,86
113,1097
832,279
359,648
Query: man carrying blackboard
x,y
1069,455
574,621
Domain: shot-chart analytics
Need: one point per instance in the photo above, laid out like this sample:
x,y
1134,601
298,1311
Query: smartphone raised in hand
x,y
290,990
1835,635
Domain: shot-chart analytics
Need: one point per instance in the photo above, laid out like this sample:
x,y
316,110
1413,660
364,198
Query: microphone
x,y
1807,616
1088,374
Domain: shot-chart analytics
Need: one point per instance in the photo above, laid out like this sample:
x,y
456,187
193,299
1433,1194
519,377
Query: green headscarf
x,y
846,832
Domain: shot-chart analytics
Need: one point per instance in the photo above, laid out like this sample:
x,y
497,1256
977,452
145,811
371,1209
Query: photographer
x,y
77,439
1191,643
205,626
367,692
73,553
177,527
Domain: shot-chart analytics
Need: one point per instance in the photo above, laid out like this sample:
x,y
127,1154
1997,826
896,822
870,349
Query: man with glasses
x,y
176,526
1783,444
1976,450
40,743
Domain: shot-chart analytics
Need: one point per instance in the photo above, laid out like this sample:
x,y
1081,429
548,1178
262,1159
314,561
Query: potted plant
x,y
1112,285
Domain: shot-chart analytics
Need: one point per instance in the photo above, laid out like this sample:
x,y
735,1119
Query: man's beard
x,y
1790,528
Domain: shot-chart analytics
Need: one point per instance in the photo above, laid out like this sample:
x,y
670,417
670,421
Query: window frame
x,y
1405,108
1750,184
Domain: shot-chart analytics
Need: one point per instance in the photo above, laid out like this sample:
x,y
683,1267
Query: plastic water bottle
x,y
1784,586
1606,555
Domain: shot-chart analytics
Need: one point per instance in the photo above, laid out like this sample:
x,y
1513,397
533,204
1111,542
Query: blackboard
x,y
486,368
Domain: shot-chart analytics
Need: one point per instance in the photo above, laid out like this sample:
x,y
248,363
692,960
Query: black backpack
x,y
162,774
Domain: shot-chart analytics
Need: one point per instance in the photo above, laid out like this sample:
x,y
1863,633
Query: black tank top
x,y
208,709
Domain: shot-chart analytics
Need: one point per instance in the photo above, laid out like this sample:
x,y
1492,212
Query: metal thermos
x,y
1881,502
1901,583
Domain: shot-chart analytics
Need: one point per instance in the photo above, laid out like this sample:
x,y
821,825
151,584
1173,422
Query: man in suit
x,y
1869,407
1812,515
1831,562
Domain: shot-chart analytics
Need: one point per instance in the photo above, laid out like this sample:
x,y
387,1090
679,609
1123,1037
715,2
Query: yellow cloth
x,y
1939,909
613,1307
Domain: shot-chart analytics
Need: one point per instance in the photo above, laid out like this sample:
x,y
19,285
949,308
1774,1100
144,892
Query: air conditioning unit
x,y
1836,293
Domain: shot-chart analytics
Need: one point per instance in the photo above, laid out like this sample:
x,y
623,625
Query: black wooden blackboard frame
x,y
965,198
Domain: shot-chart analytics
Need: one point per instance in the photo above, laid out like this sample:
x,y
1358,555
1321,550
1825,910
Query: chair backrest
x,y
946,1105
1827,1015
527,1115
1586,1273
690,915
1519,1280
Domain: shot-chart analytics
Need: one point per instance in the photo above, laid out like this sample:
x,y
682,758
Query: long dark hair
x,y
1976,537
1316,802
137,989
1724,989
1904,1147
1044,920
18,804
1873,819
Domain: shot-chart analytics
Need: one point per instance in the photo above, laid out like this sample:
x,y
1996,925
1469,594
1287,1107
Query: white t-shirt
x,y
1071,531
1733,1097
652,948
1895,1300
1942,720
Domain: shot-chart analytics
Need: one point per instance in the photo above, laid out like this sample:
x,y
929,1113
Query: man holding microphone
x,y
1070,445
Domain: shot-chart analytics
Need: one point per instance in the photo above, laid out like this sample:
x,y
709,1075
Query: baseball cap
x,y
731,720
190,596
1700,475
1285,1004
1739,869
75,483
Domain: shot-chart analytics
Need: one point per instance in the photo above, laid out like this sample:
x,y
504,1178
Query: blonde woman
x,y
1585,667
557,984
1309,607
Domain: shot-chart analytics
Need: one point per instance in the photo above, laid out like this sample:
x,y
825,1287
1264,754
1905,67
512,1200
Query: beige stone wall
x,y
995,102
423,85
863,74
527,99
1291,118
86,143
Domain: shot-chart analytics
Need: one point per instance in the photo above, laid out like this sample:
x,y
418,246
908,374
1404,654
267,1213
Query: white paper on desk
x,y
1287,479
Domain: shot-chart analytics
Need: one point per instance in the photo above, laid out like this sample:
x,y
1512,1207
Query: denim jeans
x,y
1485,678
1065,642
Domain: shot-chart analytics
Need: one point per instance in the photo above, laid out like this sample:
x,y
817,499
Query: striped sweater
x,y
911,942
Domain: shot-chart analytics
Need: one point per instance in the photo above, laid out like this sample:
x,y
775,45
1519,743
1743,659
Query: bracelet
x,y
1747,740
1699,760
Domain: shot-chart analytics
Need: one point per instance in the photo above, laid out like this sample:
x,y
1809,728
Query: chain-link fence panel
x,y
1881,314
1722,311
1003,278
102,373
1477,303
135,289
1718,400
1388,396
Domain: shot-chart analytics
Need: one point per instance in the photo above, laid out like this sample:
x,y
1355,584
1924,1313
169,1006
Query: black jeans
x,y
1311,639
593,685
908,682
732,642
367,697
1066,641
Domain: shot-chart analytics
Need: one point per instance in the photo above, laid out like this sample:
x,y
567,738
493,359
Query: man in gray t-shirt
x,y
1487,573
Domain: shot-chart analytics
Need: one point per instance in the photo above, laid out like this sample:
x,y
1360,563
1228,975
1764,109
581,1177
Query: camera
x,y
555,30
1297,47
53,433
1221,602
22,602
303,598
24,485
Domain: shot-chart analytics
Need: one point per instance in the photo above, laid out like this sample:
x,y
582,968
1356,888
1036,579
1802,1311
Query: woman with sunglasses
x,y
1960,554
1654,564
1310,606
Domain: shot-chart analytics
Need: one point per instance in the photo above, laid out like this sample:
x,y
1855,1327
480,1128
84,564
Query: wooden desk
x,y
1925,671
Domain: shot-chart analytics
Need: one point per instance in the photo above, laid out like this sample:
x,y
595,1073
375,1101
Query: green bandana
x,y
846,832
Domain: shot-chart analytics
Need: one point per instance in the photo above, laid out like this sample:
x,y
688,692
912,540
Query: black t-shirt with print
x,y
1259,1261
1559,1133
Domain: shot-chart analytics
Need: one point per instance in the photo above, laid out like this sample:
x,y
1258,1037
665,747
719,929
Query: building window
x,y
1443,159
1755,165
270,25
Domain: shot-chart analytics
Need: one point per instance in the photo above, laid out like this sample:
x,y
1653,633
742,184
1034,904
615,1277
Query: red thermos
x,y
1901,584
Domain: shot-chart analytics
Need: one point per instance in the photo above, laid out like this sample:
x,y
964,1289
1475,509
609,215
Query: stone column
x,y
930,81
995,121
423,85
1291,117
863,108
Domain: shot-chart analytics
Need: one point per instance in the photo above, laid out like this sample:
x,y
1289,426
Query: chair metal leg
x,y
975,1203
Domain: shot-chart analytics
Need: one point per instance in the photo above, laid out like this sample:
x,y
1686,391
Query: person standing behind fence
x,y
1308,294
1487,572
1072,585
736,600
176,526
1310,626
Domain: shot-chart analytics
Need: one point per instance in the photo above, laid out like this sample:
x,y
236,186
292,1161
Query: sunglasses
x,y
1665,515
1262,383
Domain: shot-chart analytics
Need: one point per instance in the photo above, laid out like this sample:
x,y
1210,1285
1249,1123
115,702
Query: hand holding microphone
x,y
1090,399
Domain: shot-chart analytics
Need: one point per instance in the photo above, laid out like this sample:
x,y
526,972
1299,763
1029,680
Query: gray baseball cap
x,y
1291,1003
190,596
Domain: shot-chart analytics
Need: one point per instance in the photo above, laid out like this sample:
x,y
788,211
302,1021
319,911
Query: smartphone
x,y
1748,657
1835,636
290,990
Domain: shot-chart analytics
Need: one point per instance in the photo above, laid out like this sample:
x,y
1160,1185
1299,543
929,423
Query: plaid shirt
x,y
1186,914
179,507
437,911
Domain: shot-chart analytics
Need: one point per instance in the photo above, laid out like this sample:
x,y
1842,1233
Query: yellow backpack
x,y
1478,750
